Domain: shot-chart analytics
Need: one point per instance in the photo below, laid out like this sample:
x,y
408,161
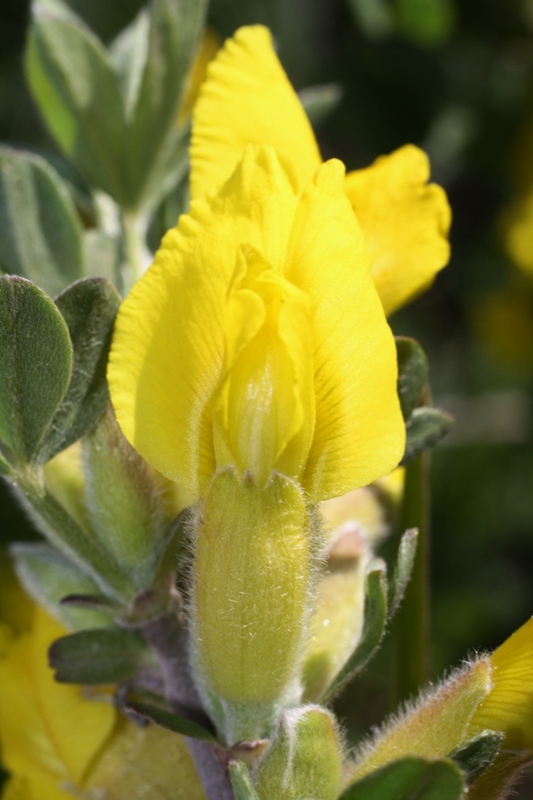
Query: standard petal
x,y
168,345
359,432
405,222
248,99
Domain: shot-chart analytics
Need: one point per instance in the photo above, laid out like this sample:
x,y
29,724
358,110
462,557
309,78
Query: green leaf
x,y
320,101
474,756
241,781
102,257
169,168
409,779
48,575
424,429
40,235
100,655
173,39
373,630
128,55
35,367
5,468
171,721
403,569
412,374
89,308
78,95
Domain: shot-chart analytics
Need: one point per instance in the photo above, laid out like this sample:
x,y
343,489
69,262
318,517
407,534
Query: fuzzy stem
x,y
62,531
135,249
168,639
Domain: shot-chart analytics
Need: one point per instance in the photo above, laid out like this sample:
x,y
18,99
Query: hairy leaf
x,y
36,360
40,235
373,629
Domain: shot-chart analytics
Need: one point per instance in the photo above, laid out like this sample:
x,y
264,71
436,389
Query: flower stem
x,y
411,647
168,638
136,254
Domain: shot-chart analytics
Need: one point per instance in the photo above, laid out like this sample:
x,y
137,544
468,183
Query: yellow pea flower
x,y
58,743
247,99
257,339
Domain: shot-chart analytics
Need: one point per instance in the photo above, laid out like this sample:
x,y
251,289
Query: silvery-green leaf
x,y
425,428
412,373
173,39
47,575
98,656
40,234
89,308
78,95
35,364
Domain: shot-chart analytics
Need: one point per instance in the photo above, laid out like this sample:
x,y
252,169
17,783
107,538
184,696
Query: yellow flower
x,y
58,744
247,98
257,339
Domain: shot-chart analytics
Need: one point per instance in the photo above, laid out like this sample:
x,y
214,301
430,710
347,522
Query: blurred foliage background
x,y
455,78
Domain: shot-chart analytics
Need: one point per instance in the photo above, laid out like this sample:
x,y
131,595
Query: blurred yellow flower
x,y
257,339
503,323
59,743
247,98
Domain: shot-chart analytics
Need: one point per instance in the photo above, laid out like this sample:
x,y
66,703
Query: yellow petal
x,y
42,787
26,747
46,727
266,396
405,222
168,345
17,789
78,727
509,706
16,608
148,762
359,432
248,99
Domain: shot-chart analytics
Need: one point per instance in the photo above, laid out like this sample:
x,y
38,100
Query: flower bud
x,y
337,622
352,525
252,576
305,759
435,726
509,706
